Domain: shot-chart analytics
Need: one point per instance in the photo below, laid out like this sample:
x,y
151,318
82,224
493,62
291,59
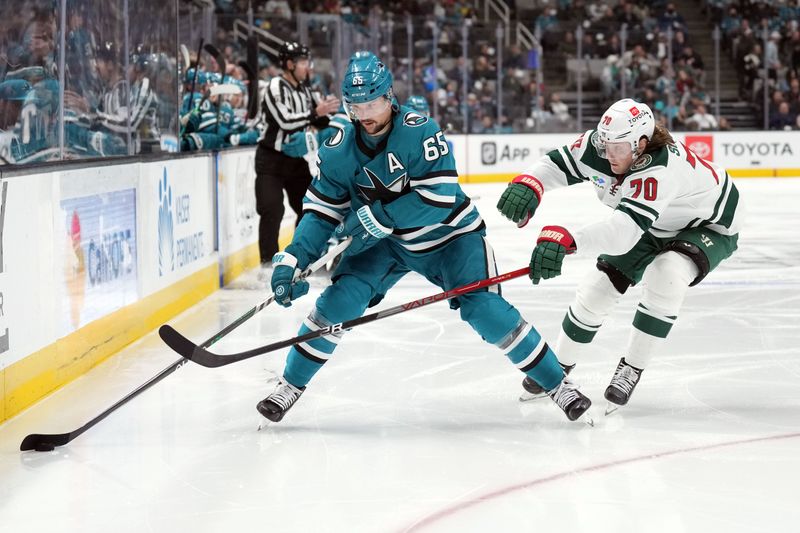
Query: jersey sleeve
x,y
433,179
325,205
559,167
645,196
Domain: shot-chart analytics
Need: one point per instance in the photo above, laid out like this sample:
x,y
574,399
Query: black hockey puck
x,y
45,447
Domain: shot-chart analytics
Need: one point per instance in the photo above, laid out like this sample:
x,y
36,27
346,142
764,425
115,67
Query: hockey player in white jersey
x,y
676,217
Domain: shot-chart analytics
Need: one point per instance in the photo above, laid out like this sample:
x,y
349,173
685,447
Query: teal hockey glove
x,y
295,145
367,226
520,199
553,244
283,287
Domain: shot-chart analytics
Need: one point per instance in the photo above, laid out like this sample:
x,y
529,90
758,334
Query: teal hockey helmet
x,y
419,104
366,79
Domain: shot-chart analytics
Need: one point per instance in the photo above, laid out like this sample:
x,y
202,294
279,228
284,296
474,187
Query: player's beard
x,y
372,127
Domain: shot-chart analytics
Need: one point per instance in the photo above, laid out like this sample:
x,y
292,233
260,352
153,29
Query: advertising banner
x,y
28,307
763,153
98,255
177,221
239,220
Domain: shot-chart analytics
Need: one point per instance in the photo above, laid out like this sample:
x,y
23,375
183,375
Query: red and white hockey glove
x,y
520,199
553,244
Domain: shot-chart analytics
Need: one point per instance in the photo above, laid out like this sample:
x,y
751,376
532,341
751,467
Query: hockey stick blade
x,y
189,350
203,357
47,442
44,443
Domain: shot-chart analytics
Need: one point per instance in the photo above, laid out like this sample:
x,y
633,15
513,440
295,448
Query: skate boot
x,y
532,389
282,399
622,384
570,400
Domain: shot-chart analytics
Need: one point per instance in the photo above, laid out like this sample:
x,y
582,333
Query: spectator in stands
x,y
783,119
702,119
559,109
670,18
751,63
692,59
772,56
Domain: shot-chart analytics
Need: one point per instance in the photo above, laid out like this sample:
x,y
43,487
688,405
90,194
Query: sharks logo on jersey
x,y
337,138
384,193
414,119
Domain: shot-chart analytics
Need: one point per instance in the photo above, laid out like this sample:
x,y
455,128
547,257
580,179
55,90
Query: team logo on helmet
x,y
642,162
414,119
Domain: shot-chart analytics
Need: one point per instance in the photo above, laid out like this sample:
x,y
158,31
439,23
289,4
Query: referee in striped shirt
x,y
288,108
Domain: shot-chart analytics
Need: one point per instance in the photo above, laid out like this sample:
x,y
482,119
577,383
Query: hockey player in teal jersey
x,y
389,181
419,104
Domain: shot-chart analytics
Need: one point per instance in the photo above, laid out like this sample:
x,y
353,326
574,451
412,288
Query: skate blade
x,y
611,408
527,396
263,424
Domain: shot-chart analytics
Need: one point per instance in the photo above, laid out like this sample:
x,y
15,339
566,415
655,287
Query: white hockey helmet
x,y
625,121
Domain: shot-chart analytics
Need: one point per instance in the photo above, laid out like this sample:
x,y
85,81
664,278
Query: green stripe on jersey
x,y
730,207
574,165
640,220
641,206
558,160
725,186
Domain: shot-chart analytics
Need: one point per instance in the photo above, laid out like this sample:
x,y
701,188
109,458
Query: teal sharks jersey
x,y
411,172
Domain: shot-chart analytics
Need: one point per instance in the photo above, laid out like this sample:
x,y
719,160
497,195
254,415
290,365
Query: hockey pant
x,y
361,281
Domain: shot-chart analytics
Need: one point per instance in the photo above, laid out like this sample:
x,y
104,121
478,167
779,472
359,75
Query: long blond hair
x,y
661,138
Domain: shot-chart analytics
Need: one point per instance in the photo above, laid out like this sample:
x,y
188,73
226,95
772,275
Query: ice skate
x,y
570,400
275,406
532,389
622,384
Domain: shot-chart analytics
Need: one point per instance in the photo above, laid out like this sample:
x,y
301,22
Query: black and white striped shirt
x,y
285,110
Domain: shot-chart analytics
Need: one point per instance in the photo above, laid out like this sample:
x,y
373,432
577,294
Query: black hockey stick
x,y
214,52
44,442
196,69
252,90
203,357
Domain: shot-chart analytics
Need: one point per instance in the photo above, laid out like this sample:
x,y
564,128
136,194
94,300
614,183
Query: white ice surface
x,y
415,424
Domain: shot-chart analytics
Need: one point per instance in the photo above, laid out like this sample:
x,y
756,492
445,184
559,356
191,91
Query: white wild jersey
x,y
664,193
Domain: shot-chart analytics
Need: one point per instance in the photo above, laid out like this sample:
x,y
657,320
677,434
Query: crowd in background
x,y
117,106
744,26
115,101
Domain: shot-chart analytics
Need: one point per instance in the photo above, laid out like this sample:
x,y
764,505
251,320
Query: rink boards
x,y
762,154
95,256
